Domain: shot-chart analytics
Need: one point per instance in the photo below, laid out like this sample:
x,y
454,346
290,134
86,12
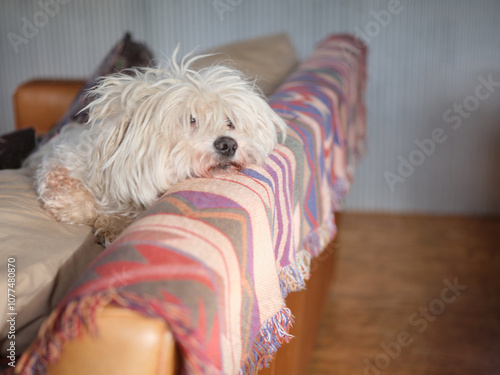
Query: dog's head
x,y
226,123
183,122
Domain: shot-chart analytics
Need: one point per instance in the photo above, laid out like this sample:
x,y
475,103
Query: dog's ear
x,y
127,142
277,121
123,108
271,128
117,118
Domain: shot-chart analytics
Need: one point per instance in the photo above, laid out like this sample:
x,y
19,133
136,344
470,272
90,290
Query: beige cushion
x,y
44,251
267,59
50,255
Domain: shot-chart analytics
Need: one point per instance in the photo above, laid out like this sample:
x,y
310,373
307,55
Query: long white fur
x,y
140,141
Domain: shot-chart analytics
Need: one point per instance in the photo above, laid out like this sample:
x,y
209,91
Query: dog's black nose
x,y
226,146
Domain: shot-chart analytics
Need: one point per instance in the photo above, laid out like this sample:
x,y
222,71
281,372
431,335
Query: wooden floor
x,y
413,295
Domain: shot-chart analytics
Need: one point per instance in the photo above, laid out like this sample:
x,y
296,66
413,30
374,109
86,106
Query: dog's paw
x,y
108,227
66,198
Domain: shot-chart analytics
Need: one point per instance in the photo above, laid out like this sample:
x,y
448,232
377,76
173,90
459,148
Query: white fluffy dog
x,y
146,132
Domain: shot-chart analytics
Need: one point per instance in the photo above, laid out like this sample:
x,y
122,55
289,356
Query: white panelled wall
x,y
433,95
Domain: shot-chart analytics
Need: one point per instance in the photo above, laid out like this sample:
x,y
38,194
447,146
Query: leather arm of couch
x,y
41,103
127,343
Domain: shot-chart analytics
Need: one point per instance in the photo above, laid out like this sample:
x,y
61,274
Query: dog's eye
x,y
229,124
192,120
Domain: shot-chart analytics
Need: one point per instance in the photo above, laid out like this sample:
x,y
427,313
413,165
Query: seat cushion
x,y
48,255
267,59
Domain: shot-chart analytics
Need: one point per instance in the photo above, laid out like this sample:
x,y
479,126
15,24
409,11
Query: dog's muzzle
x,y
226,146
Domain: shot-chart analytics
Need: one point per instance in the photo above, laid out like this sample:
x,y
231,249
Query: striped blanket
x,y
215,258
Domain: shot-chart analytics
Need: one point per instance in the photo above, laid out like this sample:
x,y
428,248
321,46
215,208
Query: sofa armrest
x,y
127,342
41,103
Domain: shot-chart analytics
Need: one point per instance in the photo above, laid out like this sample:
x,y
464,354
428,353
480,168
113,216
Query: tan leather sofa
x,y
129,343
